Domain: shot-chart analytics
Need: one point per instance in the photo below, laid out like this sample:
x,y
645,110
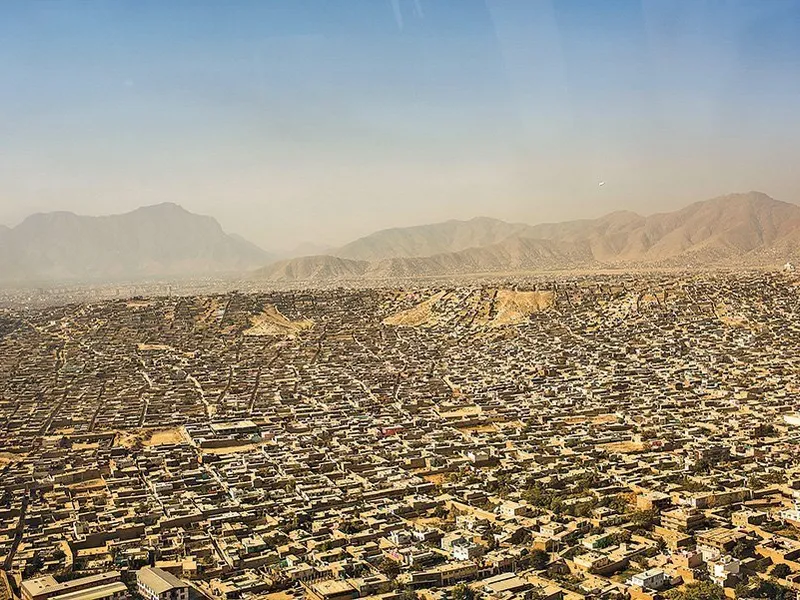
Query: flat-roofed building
x,y
156,584
45,588
683,519
332,589
109,591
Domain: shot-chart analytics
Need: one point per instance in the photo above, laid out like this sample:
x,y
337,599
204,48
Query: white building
x,y
156,584
652,579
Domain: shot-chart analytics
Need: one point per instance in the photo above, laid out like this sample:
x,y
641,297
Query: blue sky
x,y
321,120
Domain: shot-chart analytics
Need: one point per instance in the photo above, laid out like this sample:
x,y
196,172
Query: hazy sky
x,y
321,120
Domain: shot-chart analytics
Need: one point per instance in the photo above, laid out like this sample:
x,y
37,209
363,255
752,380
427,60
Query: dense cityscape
x,y
604,436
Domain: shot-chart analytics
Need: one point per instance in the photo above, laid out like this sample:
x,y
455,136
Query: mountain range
x,y
748,229
164,240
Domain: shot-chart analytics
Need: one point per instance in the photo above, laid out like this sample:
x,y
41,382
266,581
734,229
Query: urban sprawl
x,y
603,436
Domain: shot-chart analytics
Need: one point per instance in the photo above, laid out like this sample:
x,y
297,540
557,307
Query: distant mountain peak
x,y
749,228
162,207
152,241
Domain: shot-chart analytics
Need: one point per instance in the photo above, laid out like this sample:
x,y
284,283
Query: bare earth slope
x,y
728,227
490,308
309,268
428,240
733,230
154,241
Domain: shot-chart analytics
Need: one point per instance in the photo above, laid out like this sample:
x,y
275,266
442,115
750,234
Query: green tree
x,y
539,559
463,592
389,567
740,550
780,571
408,594
701,590
773,591
644,519
742,590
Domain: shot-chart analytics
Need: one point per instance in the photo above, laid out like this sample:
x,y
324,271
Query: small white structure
x,y
792,419
722,568
466,550
652,579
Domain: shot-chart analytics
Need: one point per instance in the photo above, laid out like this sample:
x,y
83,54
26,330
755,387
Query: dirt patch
x,y
729,317
624,447
150,437
165,437
272,322
478,429
85,445
9,457
514,308
604,419
89,484
138,304
436,478
154,348
503,307
420,315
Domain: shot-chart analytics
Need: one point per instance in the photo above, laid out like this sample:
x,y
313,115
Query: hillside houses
x,y
602,447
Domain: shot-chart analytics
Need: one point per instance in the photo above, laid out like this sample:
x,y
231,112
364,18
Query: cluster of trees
x,y
619,537
463,592
701,590
761,588
756,482
643,519
539,559
389,567
780,571
540,497
690,485
765,588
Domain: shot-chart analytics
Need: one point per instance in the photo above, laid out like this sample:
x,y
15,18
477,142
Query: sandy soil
x,y
10,457
624,447
417,316
437,478
151,437
514,308
272,322
509,307
154,347
89,484
164,437
478,429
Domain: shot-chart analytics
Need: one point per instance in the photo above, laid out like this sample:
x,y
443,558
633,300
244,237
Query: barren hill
x,y
727,227
154,241
428,240
309,268
737,229
479,308
272,322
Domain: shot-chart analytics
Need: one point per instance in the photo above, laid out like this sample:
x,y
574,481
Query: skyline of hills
x,y
166,240
155,241
745,229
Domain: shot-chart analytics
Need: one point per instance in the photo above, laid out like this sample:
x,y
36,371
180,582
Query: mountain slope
x,y
512,255
737,229
724,228
154,241
312,268
428,240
